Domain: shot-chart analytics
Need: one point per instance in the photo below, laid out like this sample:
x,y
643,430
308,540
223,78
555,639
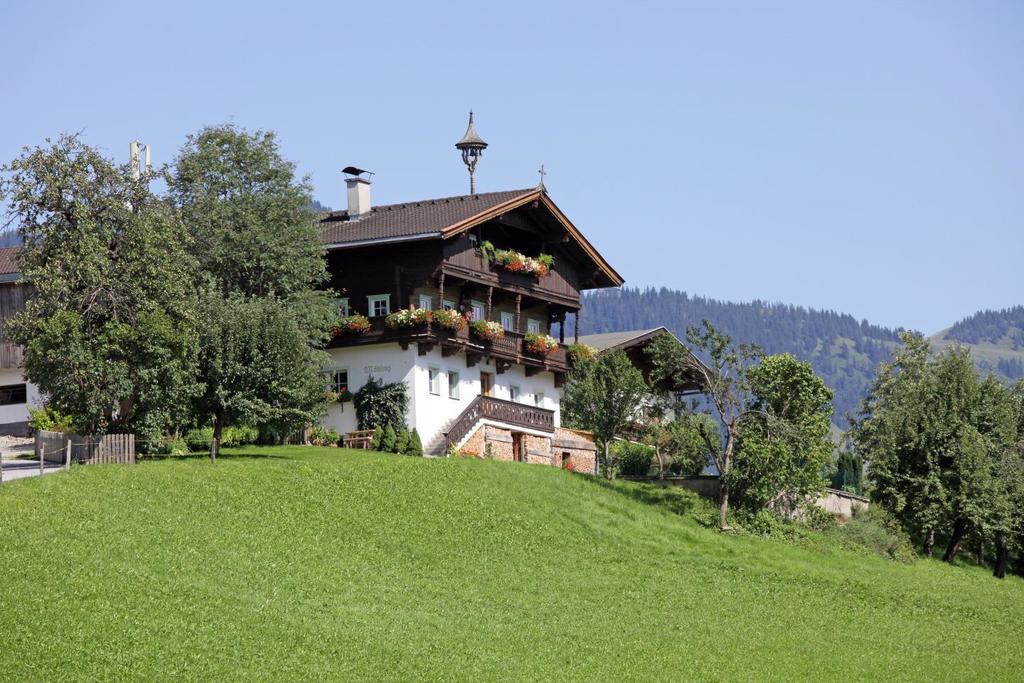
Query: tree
x,y
108,330
604,396
378,404
943,448
674,434
415,446
388,439
261,267
786,441
724,384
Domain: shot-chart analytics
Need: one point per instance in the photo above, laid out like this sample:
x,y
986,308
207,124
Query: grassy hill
x,y
996,340
322,563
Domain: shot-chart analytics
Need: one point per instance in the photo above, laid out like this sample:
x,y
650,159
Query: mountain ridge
x,y
843,350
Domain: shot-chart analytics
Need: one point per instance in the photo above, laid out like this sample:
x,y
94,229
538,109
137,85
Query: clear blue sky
x,y
866,158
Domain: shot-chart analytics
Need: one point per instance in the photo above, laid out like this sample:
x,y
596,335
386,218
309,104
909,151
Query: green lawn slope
x,y
306,563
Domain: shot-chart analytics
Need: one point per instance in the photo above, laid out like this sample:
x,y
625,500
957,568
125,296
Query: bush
x,y
378,434
761,523
199,439
387,440
324,436
817,518
401,440
48,419
875,529
415,446
634,459
171,446
379,405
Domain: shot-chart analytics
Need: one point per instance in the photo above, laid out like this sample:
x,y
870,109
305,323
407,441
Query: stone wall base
x,y
565,448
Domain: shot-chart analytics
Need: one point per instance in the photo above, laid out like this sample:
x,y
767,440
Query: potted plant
x,y
581,352
450,319
540,343
408,317
488,330
351,324
517,262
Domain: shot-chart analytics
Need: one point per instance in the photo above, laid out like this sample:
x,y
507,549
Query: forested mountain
x,y
996,339
843,350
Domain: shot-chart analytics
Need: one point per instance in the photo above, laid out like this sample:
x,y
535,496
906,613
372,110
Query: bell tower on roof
x,y
472,147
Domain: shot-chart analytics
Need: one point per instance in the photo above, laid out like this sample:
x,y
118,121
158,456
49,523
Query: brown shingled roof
x,y
9,260
412,219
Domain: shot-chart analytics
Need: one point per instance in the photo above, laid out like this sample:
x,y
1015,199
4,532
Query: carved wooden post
x,y
519,305
440,286
576,332
561,327
490,296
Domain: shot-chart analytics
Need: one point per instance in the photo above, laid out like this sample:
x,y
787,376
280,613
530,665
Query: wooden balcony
x,y
508,350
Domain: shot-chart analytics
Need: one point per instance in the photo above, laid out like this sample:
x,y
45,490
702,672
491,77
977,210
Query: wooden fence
x,y
86,450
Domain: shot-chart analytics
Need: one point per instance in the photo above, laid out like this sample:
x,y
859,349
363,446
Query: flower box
x,y
488,330
408,317
517,262
450,319
581,352
540,343
351,324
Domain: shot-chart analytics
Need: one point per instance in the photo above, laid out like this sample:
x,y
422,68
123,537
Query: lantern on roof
x,y
472,147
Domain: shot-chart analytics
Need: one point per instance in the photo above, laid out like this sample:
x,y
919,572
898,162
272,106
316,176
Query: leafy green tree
x,y
604,396
378,435
724,384
674,434
786,441
260,265
109,328
849,473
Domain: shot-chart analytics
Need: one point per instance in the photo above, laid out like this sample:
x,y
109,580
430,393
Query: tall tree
x,y
108,329
260,277
786,442
605,396
723,382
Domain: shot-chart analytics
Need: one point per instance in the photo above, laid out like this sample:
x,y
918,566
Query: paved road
x,y
18,469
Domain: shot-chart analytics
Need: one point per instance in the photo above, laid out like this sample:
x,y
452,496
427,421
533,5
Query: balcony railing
x,y
511,347
506,412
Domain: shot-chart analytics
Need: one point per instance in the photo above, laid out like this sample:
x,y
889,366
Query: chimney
x,y
358,190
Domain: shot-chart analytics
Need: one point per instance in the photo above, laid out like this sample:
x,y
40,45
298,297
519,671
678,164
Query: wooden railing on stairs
x,y
506,412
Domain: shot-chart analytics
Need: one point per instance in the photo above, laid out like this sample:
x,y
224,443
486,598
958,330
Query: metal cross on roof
x,y
542,173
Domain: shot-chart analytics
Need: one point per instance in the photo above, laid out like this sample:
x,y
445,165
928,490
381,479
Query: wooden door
x,y
517,446
486,384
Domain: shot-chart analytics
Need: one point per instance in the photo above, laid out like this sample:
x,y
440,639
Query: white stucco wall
x,y
430,414
17,413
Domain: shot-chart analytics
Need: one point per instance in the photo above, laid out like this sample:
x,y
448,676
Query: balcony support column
x,y
490,298
440,287
576,332
519,307
561,327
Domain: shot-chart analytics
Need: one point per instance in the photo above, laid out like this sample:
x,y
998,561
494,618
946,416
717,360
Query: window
x,y
339,381
538,399
478,310
435,381
343,309
379,305
13,394
453,384
513,392
533,325
508,321
426,302
448,305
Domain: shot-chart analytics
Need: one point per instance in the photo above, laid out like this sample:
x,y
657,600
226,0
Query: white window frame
x,y
533,325
514,392
508,321
334,379
426,302
475,306
343,308
453,388
434,380
447,305
374,299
